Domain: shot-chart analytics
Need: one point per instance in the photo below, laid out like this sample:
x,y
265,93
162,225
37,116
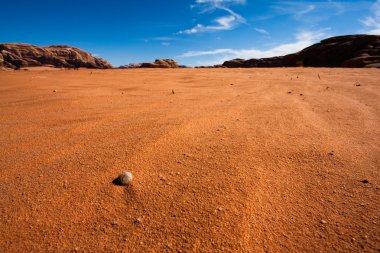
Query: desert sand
x,y
236,160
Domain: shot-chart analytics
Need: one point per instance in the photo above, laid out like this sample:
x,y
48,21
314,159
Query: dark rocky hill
x,y
351,51
160,63
13,55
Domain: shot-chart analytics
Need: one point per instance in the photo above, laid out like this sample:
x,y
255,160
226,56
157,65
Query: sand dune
x,y
236,160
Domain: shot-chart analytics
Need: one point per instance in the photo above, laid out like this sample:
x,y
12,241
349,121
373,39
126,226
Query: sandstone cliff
x,y
160,63
15,56
352,51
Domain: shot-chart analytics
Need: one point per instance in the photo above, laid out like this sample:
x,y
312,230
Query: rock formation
x,y
160,63
351,51
130,66
16,56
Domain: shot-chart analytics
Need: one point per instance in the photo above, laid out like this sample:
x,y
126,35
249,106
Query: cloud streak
x,y
221,23
262,31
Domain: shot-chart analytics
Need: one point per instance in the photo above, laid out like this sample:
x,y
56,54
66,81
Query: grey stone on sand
x,y
125,178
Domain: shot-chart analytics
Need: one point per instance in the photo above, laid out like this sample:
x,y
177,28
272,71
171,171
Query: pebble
x,y
54,90
137,221
125,178
323,221
365,181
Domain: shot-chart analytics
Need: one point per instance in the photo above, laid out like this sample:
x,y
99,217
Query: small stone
x,y
137,221
173,92
125,178
365,181
54,90
323,221
289,92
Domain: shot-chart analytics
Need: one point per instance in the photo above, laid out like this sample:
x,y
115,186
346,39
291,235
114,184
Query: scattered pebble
x,y
137,221
173,92
124,178
231,84
289,92
301,94
331,153
323,221
365,181
54,90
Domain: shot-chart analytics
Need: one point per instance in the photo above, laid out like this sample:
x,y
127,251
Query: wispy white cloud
x,y
166,44
164,38
302,39
316,11
295,9
308,9
260,30
372,23
221,23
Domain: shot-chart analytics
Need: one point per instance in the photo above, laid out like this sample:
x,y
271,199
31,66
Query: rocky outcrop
x,y
351,51
16,56
130,66
160,63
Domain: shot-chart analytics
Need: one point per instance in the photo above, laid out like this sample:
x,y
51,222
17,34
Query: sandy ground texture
x,y
236,160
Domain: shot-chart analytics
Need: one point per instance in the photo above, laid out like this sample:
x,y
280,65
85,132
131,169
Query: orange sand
x,y
231,162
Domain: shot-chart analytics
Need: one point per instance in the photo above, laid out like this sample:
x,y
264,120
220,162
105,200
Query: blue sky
x,y
193,32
